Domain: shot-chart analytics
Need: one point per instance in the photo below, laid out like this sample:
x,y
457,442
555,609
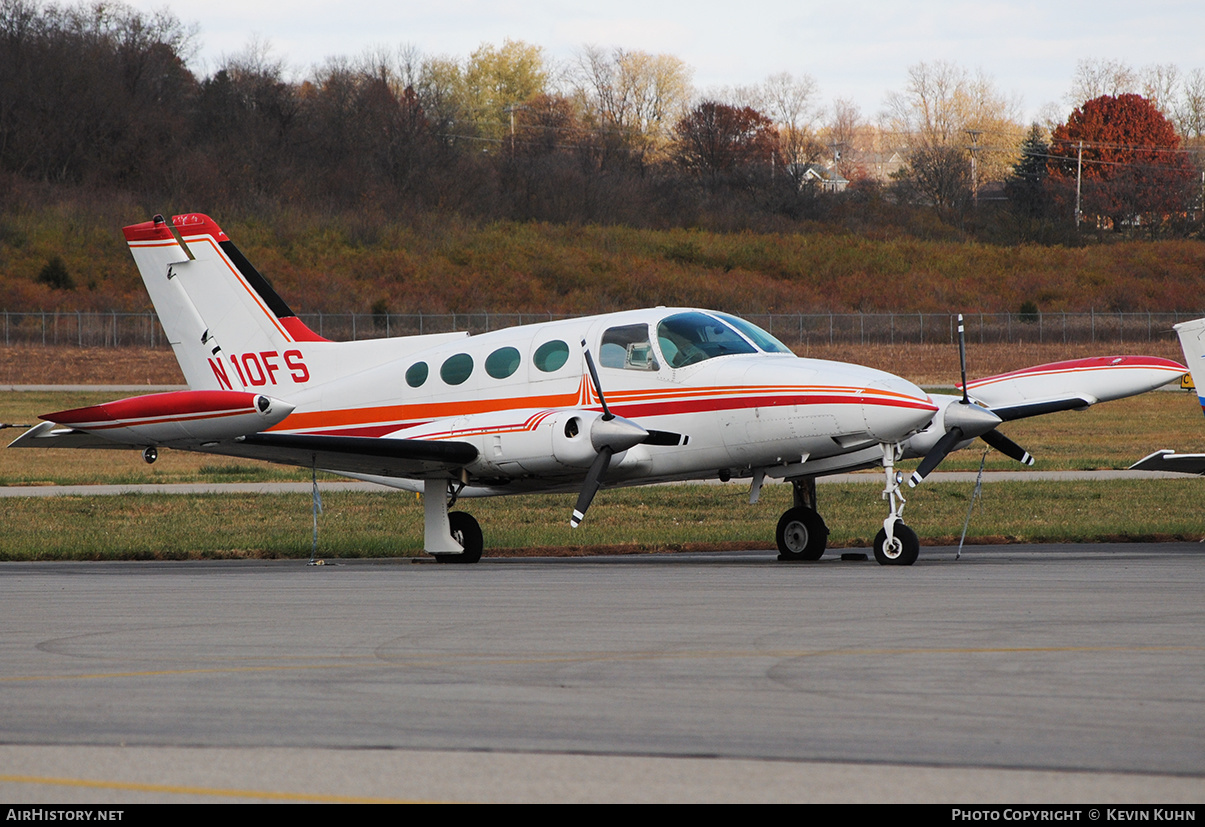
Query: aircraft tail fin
x,y
229,329
1192,342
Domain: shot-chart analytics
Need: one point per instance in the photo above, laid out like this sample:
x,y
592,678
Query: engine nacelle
x,y
571,443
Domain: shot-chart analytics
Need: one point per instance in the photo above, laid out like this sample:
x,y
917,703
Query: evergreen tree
x,y
1026,186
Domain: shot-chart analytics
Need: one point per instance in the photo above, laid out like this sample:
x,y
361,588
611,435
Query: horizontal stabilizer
x,y
1167,460
48,435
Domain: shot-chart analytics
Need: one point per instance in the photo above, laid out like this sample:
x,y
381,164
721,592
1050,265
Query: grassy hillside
x,y
439,263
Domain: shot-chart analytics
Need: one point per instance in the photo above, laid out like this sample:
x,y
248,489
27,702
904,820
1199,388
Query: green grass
x,y
661,518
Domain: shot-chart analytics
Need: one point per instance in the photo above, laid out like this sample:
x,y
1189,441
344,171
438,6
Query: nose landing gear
x,y
895,544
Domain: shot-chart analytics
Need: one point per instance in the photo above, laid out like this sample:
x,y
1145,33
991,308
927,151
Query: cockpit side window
x,y
627,347
688,338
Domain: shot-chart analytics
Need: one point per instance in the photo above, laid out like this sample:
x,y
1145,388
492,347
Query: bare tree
x,y
851,139
1160,84
945,106
928,109
1098,76
1190,106
790,102
636,94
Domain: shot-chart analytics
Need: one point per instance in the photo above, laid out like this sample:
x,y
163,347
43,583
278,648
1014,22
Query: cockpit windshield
x,y
755,334
688,338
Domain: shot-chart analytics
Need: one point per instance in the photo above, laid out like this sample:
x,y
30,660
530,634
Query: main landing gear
x,y
448,537
802,534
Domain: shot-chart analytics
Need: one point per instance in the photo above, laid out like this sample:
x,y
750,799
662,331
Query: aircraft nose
x,y
894,407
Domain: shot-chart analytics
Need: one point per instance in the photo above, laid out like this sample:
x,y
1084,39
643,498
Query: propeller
x,y
610,435
967,420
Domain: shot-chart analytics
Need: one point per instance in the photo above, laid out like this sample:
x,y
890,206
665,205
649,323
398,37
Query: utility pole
x,y
1079,174
974,133
510,110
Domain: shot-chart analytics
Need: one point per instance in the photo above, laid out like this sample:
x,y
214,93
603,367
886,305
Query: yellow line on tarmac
x,y
173,789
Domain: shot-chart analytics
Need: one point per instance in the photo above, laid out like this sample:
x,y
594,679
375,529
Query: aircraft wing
x,y
1168,460
415,458
1071,385
384,457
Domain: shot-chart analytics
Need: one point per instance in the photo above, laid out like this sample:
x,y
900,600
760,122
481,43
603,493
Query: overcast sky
x,y
860,49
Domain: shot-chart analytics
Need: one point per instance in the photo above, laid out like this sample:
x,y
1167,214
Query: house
x,y
828,180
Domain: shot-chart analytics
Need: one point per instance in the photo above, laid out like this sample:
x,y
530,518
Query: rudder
x,y
228,327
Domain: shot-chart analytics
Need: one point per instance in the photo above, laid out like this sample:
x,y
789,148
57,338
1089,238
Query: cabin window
x,y
689,338
755,334
416,374
502,362
551,356
456,368
627,347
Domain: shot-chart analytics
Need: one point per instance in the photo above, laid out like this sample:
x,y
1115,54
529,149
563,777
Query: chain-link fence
x,y
115,329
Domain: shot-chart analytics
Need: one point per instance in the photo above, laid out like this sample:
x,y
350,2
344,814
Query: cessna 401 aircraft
x,y
628,398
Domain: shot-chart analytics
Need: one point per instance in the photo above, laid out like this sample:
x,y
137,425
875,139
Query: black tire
x,y
467,532
801,535
905,554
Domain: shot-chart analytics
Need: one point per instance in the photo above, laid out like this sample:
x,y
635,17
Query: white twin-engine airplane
x,y
627,398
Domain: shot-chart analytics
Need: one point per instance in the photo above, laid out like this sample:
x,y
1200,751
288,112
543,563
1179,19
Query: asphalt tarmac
x,y
1071,673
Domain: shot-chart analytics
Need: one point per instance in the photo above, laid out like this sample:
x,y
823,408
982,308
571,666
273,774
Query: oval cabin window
x,y
416,374
456,368
551,356
502,362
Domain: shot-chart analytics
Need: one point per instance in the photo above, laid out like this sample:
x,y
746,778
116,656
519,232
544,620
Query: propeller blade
x,y
597,385
611,434
962,358
939,452
1007,447
590,486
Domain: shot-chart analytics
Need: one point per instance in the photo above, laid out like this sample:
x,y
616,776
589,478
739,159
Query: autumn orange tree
x,y
1133,172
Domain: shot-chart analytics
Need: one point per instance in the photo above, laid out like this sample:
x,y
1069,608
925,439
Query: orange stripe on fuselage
x,y
419,412
636,403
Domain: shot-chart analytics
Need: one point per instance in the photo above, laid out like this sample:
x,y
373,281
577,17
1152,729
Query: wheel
x,y
801,534
905,550
467,532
